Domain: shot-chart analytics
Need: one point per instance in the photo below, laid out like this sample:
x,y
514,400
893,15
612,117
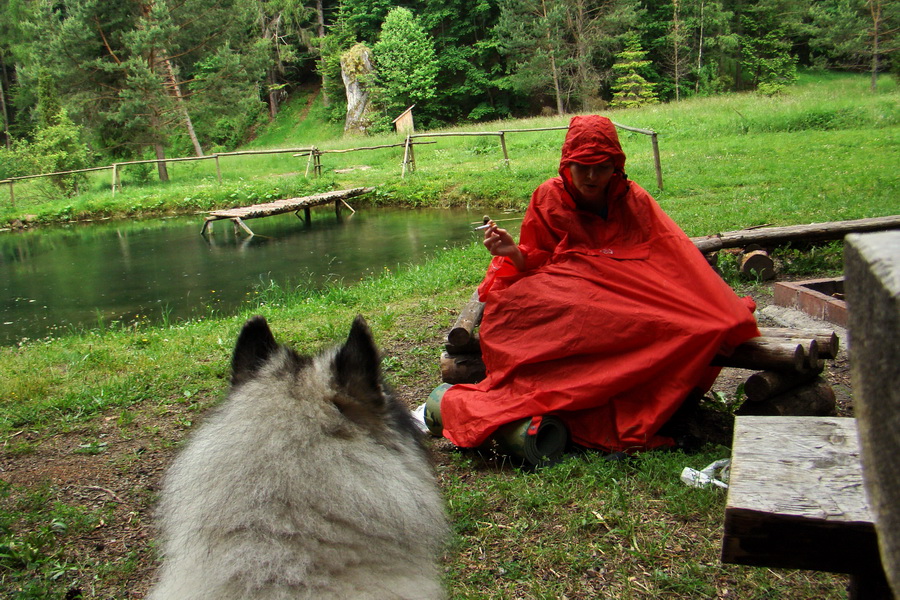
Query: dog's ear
x,y
254,346
357,363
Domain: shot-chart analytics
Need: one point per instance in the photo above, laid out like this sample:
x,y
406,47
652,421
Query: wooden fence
x,y
116,179
409,161
314,162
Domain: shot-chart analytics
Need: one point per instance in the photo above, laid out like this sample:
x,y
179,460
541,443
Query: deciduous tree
x,y
405,64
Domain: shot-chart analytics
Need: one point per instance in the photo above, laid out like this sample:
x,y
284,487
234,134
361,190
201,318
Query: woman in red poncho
x,y
605,315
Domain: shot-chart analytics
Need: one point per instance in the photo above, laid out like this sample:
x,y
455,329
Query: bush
x,y
56,147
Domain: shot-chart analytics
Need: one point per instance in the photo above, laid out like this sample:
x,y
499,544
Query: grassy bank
x,y
826,149
89,420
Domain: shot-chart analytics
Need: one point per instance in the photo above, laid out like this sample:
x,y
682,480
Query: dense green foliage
x,y
147,78
405,65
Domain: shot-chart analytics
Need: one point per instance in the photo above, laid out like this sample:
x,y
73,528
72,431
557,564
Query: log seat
x,y
787,362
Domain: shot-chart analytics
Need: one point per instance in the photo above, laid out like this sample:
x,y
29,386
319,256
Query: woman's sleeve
x,y
538,239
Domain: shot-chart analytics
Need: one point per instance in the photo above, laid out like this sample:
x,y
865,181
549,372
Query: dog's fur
x,y
309,482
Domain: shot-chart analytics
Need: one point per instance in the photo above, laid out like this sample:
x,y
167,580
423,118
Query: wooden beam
x,y
815,232
238,221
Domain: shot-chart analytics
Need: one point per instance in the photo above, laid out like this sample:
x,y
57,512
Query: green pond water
x,y
54,280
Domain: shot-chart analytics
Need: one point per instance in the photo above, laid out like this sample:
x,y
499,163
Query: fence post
x,y
656,161
309,161
115,173
406,155
12,194
503,145
218,170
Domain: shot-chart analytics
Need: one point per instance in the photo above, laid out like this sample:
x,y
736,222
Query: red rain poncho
x,y
612,324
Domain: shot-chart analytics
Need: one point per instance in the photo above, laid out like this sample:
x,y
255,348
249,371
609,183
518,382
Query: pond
x,y
53,280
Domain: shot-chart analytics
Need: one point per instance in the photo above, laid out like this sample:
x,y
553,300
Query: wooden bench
x,y
796,500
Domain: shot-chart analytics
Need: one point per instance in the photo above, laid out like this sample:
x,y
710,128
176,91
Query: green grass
x,y
590,528
118,398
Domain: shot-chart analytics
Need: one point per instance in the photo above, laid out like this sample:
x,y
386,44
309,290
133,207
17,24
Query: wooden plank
x,y
796,498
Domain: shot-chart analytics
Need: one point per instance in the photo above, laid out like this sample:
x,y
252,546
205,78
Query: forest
x,y
84,82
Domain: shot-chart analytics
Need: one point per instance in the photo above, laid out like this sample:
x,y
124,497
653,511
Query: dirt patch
x,y
111,466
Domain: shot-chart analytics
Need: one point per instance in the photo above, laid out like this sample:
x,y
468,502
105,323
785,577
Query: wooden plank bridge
x,y
295,205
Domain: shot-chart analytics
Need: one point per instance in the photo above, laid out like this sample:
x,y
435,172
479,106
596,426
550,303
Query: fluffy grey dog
x,y
309,482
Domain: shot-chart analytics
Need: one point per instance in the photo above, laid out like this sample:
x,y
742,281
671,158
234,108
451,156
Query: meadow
x,y
90,419
826,149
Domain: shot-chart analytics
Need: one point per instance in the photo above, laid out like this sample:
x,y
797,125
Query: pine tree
x,y
631,89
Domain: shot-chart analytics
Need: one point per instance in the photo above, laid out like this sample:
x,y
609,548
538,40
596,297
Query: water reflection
x,y
55,279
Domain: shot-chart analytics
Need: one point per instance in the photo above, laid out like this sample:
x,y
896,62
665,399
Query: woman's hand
x,y
499,242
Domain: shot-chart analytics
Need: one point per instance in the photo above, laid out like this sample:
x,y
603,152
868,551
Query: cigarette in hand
x,y
487,223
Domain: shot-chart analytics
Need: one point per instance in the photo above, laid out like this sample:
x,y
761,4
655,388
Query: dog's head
x,y
351,376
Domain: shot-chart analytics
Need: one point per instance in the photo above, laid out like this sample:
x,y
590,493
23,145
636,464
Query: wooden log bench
x,y
787,365
796,500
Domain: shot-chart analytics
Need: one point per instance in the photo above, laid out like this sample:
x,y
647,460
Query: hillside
x,y
825,149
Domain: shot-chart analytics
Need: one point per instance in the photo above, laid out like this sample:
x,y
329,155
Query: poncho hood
x,y
591,140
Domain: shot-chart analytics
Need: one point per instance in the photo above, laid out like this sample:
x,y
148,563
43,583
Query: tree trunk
x,y
182,106
8,140
815,399
554,72
273,94
320,23
676,42
356,65
466,322
158,146
763,385
875,11
161,166
699,51
814,232
270,31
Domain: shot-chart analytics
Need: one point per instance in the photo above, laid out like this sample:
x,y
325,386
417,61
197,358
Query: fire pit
x,y
819,298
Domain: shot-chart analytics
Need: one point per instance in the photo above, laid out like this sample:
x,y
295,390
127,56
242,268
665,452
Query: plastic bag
x,y
707,476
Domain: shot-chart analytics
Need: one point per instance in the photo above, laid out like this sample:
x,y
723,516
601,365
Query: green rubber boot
x,y
433,410
541,444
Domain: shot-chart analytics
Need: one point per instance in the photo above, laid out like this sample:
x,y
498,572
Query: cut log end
x,y
757,264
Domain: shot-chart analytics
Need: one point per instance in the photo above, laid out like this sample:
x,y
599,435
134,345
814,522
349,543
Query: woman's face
x,y
591,180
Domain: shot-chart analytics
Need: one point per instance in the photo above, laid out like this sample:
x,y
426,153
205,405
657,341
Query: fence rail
x,y
314,154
